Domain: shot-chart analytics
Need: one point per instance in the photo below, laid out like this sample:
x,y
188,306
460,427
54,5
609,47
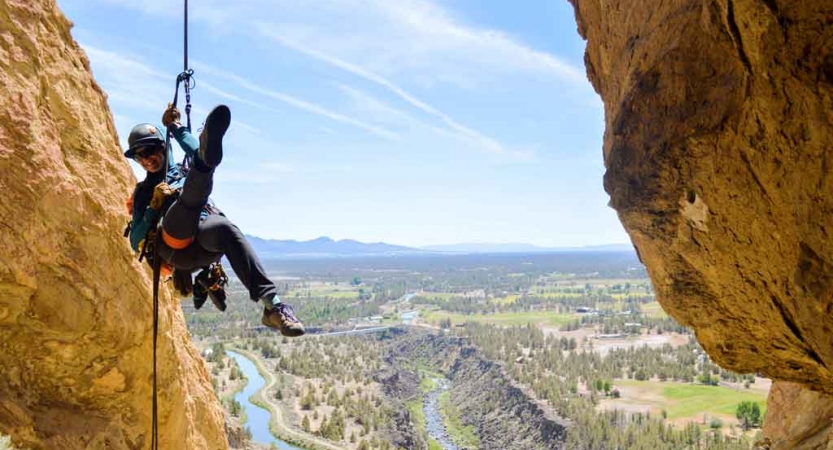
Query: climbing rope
x,y
157,269
186,78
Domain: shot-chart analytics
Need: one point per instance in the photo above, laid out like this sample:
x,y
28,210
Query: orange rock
x,y
75,305
719,148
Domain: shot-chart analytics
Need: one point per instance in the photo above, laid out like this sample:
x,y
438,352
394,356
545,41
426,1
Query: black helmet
x,y
141,135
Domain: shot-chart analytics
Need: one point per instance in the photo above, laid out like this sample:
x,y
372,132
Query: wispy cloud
x,y
484,141
417,40
371,106
299,103
229,96
135,84
493,47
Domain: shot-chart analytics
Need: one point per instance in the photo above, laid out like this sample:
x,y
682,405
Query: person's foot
x,y
211,138
282,318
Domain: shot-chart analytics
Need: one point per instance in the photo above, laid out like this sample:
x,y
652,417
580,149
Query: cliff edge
x,y
75,305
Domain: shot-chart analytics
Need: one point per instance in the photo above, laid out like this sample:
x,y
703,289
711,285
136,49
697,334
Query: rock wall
x,y
718,148
75,305
798,418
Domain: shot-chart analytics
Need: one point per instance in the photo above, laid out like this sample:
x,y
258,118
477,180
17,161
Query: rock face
x,y
75,305
719,149
798,418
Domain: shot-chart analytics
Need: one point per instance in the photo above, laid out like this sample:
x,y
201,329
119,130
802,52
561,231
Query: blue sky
x,y
412,122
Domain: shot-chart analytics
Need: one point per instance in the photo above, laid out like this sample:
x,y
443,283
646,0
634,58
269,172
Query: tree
x,y
608,385
305,424
749,415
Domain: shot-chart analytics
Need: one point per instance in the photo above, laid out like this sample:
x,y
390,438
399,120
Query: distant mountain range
x,y
324,247
523,248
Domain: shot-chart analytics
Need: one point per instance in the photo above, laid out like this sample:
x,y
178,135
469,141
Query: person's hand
x,y
160,193
171,116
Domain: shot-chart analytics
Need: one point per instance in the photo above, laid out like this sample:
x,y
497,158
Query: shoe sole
x,y
286,332
216,125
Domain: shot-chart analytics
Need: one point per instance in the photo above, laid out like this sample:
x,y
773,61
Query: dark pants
x,y
214,237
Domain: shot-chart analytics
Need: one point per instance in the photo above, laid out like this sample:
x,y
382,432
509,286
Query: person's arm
x,y
185,139
171,121
143,216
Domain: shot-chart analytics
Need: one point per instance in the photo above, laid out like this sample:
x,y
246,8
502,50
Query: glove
x,y
160,194
171,116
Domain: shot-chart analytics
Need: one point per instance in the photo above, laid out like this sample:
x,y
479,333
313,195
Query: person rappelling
x,y
195,235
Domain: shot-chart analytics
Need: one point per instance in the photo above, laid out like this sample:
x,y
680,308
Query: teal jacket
x,y
143,215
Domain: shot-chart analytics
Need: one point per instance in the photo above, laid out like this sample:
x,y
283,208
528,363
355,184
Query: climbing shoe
x,y
211,138
200,296
206,285
282,318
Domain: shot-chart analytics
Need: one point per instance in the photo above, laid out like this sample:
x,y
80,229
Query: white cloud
x,y
414,40
300,103
134,84
487,143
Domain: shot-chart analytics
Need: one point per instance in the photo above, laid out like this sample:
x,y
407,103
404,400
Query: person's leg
x,y
217,234
183,217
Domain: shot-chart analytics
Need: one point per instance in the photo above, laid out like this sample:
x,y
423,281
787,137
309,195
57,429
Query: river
x,y
433,419
257,418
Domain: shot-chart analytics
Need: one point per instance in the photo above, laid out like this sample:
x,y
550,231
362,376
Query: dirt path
x,y
277,423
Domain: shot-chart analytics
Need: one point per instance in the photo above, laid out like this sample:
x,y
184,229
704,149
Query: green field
x,y
508,300
653,309
557,294
690,400
682,400
440,295
506,319
332,293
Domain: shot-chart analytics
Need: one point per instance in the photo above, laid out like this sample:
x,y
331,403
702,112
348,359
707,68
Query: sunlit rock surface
x,y
718,148
75,305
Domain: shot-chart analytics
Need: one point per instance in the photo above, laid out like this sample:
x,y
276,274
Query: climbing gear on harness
x,y
211,138
160,195
211,282
282,317
141,135
147,250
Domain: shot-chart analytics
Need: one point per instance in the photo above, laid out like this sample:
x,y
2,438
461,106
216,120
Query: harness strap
x,y
176,243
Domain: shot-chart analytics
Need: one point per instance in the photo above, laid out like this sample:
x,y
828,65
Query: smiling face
x,y
150,157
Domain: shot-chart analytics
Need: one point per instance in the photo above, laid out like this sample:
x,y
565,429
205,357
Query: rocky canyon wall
x,y
75,305
718,148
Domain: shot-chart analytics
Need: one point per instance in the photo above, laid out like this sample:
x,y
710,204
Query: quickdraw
x,y
218,275
211,283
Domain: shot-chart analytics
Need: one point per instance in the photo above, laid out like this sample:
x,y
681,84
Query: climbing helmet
x,y
143,134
